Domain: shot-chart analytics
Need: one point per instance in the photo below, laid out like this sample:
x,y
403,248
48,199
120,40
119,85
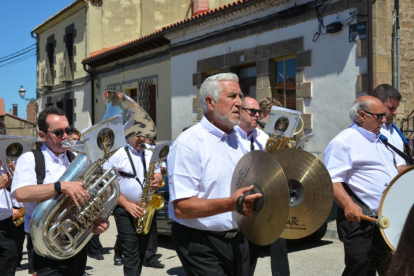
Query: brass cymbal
x,y
311,192
260,169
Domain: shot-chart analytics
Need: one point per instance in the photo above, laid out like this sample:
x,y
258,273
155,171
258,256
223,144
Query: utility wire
x,y
18,55
17,60
19,51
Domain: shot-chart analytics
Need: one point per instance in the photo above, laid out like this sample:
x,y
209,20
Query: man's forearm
x,y
200,208
341,196
34,193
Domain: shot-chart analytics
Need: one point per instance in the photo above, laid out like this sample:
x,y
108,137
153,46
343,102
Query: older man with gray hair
x,y
361,167
201,162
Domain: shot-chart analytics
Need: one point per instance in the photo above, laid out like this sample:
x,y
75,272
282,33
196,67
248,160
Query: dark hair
x,y
41,120
3,129
386,91
402,262
76,132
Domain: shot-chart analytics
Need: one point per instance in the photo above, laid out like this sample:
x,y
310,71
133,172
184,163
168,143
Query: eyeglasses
x,y
378,116
59,132
253,111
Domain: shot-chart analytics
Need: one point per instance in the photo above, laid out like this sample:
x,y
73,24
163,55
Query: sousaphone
x,y
59,229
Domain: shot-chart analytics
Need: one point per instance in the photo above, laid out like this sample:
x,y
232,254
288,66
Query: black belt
x,y
227,234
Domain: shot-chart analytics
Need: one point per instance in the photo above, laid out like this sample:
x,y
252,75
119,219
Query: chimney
x,y
15,110
200,6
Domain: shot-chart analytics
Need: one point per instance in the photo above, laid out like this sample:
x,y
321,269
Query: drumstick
x,y
382,222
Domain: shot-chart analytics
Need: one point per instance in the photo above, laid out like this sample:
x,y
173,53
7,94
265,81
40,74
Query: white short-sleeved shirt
x,y
131,188
259,138
5,199
394,139
25,175
357,157
201,164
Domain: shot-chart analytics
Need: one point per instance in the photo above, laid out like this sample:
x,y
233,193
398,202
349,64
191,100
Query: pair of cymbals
x,y
297,194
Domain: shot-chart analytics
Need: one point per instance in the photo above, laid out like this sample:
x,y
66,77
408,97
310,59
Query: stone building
x,y
16,125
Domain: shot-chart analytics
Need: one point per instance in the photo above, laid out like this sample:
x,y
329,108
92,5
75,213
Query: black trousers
x,y
150,254
365,249
133,245
20,235
30,251
278,257
118,247
203,253
8,248
74,266
94,245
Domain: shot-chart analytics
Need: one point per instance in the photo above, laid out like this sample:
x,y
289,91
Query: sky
x,y
18,19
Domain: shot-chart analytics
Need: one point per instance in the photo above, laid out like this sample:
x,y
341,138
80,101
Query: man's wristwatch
x,y
58,188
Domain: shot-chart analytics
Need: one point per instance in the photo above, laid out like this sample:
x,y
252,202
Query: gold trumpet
x,y
277,142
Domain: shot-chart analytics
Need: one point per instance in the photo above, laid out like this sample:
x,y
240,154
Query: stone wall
x,y
407,54
18,126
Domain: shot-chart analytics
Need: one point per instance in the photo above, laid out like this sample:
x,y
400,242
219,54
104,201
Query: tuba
x,y
58,228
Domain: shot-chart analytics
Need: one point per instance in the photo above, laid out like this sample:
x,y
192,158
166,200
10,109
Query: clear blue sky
x,y
18,19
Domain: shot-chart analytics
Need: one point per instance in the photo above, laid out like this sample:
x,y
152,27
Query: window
x,y
247,80
50,55
284,81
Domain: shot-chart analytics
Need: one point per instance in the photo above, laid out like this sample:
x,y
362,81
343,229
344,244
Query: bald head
x,y
369,113
248,118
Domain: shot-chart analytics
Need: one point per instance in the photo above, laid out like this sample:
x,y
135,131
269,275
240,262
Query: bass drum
x,y
396,202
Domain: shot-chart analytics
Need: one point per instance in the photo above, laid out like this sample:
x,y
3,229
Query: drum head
x,y
395,204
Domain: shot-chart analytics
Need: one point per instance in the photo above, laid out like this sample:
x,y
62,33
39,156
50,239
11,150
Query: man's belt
x,y
227,234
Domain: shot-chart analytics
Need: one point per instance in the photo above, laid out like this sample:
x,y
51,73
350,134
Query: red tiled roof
x,y
171,26
109,49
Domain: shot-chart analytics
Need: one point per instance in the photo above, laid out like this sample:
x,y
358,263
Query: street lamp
x,y
22,93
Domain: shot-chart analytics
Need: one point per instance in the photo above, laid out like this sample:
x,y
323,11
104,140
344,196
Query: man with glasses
x,y
53,130
391,98
253,138
361,167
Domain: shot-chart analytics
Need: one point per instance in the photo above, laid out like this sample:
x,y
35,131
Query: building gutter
x,y
370,46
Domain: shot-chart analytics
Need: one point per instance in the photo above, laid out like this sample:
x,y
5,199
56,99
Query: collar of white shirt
x,y
59,158
243,133
370,136
388,127
217,133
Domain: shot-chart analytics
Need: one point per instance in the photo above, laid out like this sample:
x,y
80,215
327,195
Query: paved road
x,y
319,259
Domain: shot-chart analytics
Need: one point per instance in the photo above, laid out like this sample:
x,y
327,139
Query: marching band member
x,y
255,139
201,162
53,130
8,248
132,163
360,167
391,98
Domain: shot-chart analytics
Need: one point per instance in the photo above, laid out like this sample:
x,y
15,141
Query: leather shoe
x,y
99,256
155,264
118,260
19,268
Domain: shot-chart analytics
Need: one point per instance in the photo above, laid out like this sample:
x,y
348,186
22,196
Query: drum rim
x,y
383,198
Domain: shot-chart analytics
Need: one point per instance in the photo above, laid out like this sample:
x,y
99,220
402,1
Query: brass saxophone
x,y
20,219
150,202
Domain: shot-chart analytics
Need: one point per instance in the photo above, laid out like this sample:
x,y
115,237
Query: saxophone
x,y
150,202
20,219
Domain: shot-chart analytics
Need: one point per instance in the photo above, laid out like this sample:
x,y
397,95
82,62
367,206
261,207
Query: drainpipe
x,y
370,57
397,22
92,91
37,62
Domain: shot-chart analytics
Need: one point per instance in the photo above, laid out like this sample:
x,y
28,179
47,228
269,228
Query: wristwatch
x,y
58,188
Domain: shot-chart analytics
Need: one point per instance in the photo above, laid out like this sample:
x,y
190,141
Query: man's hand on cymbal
x,y
248,204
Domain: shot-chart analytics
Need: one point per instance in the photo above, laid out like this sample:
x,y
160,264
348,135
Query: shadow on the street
x,y
299,245
179,271
294,246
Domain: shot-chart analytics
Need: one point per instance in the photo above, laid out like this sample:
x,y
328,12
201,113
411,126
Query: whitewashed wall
x,y
333,74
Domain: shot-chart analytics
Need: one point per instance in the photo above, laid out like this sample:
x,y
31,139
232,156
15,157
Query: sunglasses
x,y
252,111
377,116
59,132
